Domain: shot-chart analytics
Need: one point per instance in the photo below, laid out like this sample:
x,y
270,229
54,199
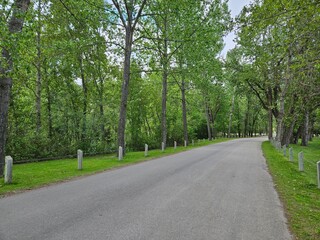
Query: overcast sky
x,y
235,6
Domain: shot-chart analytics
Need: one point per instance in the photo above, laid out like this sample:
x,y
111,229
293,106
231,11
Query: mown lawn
x,y
298,190
32,175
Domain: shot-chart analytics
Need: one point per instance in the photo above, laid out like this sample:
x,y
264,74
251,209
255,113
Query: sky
x,y
235,6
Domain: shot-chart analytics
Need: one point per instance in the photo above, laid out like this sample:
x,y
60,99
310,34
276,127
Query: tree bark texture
x,y
125,89
15,25
208,120
164,86
184,110
305,130
39,73
230,116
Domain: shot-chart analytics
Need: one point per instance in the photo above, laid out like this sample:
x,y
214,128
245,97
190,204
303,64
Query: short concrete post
x,y
300,156
120,153
80,159
318,173
185,143
8,169
204,140
175,145
146,150
291,154
284,150
192,142
162,146
198,140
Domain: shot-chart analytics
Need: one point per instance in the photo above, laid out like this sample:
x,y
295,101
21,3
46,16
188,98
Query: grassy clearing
x,y
32,175
298,190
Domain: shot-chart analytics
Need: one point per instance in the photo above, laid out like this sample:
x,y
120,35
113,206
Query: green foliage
x,y
77,49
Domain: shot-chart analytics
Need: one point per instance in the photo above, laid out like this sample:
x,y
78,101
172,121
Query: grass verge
x,y
298,190
33,175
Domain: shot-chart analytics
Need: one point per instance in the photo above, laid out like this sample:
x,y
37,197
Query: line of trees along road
x,y
278,58
100,74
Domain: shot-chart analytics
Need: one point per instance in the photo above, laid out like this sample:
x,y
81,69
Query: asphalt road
x,y
217,192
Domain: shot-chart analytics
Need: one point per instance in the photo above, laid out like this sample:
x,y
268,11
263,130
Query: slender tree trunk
x,y
164,86
15,25
49,103
270,123
305,130
230,116
208,119
101,108
39,73
85,102
125,89
184,110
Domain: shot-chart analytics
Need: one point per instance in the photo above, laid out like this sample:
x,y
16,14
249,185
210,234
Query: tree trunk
x,y
230,116
270,123
39,74
85,102
288,133
184,110
15,25
305,130
208,119
164,86
49,103
125,89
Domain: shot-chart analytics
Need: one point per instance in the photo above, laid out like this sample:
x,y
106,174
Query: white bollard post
x,y
175,145
120,153
8,169
146,150
80,158
162,146
291,154
192,142
284,150
300,156
185,143
318,173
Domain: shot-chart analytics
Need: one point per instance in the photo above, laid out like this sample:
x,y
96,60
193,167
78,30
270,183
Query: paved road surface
x,y
218,192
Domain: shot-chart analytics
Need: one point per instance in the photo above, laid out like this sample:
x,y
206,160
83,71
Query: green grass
x,y
298,190
33,175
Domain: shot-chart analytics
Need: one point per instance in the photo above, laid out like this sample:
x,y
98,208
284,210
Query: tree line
x,y
278,60
100,74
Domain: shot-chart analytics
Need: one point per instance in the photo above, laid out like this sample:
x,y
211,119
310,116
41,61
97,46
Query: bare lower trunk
x,y
280,120
125,90
5,88
230,116
164,87
164,106
288,133
270,123
15,25
39,74
305,130
208,120
85,102
184,111
49,103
